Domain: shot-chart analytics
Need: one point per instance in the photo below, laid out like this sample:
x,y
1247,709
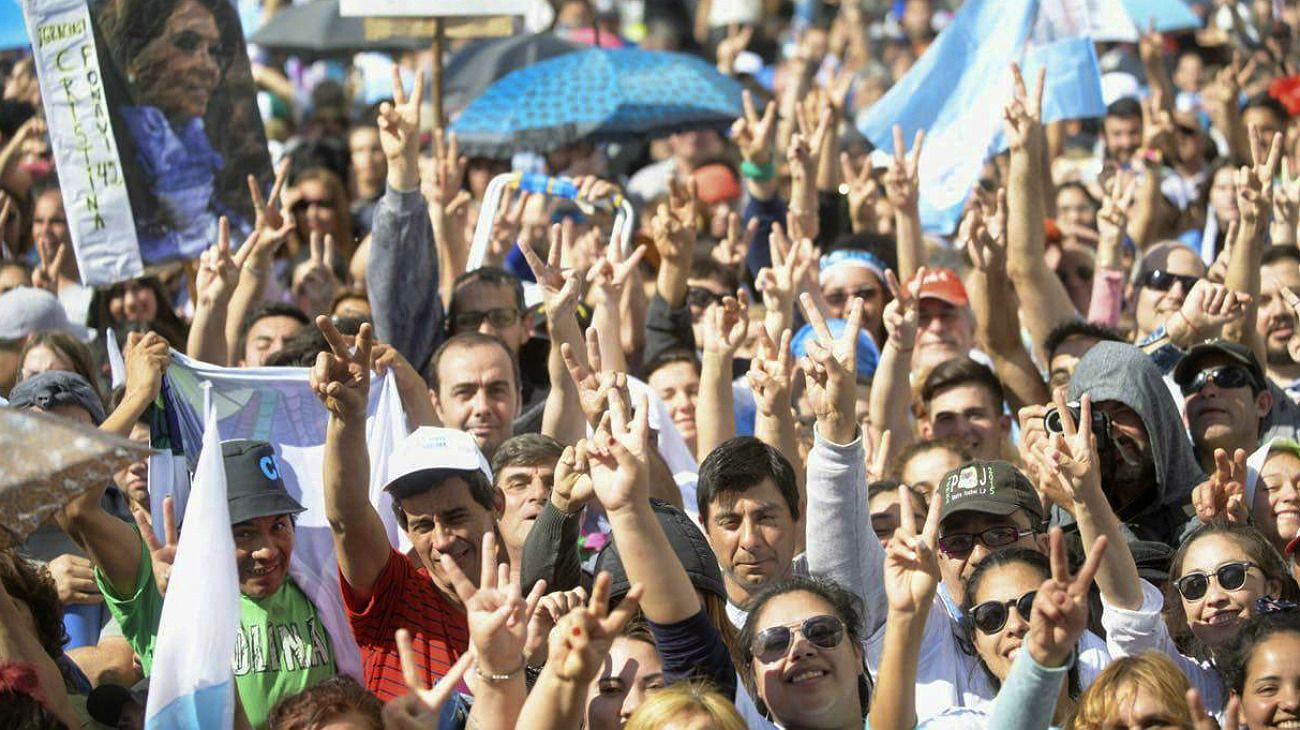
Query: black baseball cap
x,y
990,487
254,487
1189,366
689,545
55,388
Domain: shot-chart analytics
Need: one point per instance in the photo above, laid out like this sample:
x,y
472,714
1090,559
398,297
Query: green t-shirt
x,y
282,647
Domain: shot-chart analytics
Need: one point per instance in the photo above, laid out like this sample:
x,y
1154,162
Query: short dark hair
x,y
466,340
875,489
526,449
1076,185
668,357
265,309
1274,254
1124,108
961,371
337,697
480,489
300,348
1262,100
1078,328
740,464
486,275
704,266
33,586
1258,630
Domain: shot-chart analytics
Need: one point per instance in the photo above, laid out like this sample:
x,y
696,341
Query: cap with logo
x,y
943,284
254,487
429,450
1190,365
989,487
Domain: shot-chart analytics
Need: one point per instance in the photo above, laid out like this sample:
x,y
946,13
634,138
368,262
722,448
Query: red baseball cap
x,y
943,284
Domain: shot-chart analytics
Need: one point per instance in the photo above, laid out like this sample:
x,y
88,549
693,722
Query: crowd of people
x,y
785,460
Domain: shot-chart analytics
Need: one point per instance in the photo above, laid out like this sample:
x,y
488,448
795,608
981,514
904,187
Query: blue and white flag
x,y
957,89
192,685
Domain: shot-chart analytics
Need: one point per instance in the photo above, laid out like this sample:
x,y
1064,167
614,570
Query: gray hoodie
x,y
1114,371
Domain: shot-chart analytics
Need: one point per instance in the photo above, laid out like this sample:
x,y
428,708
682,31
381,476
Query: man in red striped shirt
x,y
442,495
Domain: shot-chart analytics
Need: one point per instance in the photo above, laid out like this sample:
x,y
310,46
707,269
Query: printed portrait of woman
x,y
185,117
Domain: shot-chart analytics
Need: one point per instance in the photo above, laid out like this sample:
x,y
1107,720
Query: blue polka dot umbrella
x,y
598,95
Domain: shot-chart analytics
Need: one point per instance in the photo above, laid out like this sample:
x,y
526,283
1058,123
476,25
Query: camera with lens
x,y
1100,424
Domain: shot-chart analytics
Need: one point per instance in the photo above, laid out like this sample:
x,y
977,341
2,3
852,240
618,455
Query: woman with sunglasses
x,y
1216,576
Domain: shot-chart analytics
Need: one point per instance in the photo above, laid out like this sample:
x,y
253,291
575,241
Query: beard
x,y
1129,482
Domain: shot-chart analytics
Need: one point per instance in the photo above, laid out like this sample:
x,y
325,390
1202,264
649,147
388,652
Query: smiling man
x,y
1226,398
475,382
524,473
963,401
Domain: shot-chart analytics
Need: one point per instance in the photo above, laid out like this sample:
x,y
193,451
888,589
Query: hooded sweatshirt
x,y
1114,371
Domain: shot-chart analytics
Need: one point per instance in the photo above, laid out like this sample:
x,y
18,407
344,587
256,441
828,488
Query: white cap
x,y
24,310
430,449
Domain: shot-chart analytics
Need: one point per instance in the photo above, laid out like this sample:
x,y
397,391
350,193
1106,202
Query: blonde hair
x,y
1151,671
684,700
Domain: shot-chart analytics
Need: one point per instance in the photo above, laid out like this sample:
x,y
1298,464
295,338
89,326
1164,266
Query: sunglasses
x,y
1230,577
1164,281
825,632
959,545
187,41
702,298
991,616
499,318
305,203
1224,376
841,298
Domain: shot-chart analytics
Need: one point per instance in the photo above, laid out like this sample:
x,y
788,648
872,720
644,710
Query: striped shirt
x,y
404,596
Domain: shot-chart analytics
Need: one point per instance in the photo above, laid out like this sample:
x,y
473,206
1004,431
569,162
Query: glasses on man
x,y
991,616
702,298
838,298
824,631
303,204
1230,576
960,544
1164,281
1224,376
187,41
499,318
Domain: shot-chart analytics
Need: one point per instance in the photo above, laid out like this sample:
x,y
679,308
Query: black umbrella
x,y
473,68
316,27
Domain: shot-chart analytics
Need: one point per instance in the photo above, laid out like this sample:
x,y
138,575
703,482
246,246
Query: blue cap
x,y
868,353
851,257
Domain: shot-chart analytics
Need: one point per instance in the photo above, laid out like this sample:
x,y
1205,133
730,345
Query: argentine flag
x,y
957,89
192,686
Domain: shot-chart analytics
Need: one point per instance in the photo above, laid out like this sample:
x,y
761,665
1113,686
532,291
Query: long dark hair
x,y
1255,633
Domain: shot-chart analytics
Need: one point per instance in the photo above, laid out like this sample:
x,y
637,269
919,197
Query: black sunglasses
x,y
500,318
1224,376
1230,576
840,298
305,203
991,616
960,544
1164,281
702,298
824,631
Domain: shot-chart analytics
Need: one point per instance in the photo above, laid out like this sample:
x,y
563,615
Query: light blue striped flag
x,y
957,89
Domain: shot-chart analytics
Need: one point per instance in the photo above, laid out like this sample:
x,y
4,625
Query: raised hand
x,y
779,283
732,250
218,273
573,489
725,327
911,562
985,235
878,456
6,212
507,222
1060,612
593,382
271,228
1223,494
46,274
550,609
1068,466
831,370
314,281
903,177
1205,311
771,374
1112,219
736,41
1255,183
74,579
560,288
1157,124
1203,720
1023,115
755,135
448,173
580,644
673,237
612,271
421,706
497,611
620,471
901,315
161,554
1286,207
1151,45
399,132
147,357
862,190
341,377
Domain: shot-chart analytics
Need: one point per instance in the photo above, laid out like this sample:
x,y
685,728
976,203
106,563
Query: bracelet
x,y
757,172
1190,326
478,671
899,349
